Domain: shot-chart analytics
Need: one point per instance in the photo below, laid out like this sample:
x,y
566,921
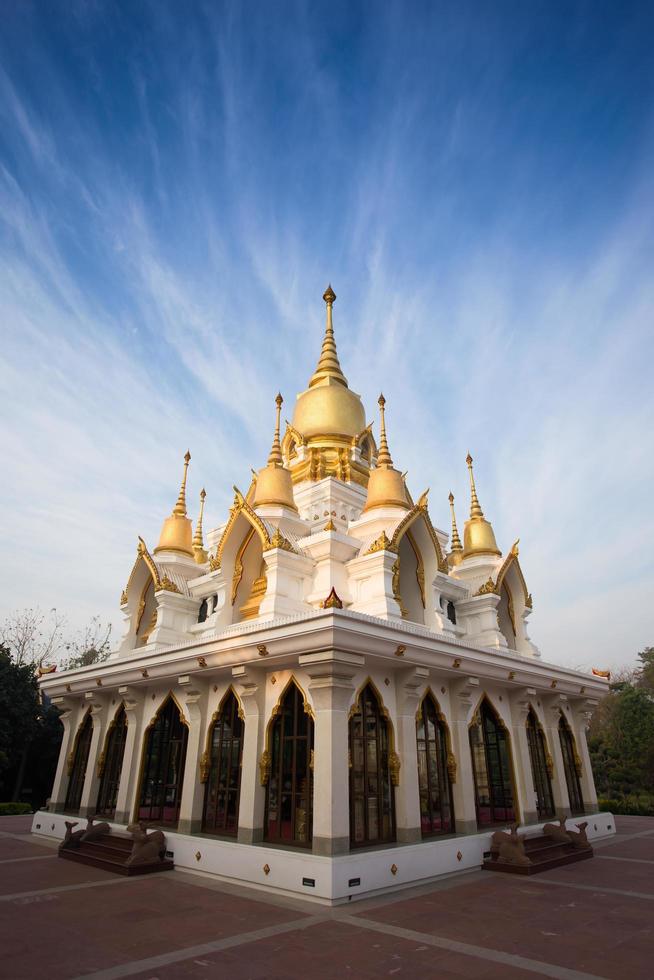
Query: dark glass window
x,y
289,791
372,799
113,765
539,769
570,768
80,760
492,769
164,755
221,796
203,610
451,613
436,806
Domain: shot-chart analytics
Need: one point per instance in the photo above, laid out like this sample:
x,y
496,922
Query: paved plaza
x,y
61,920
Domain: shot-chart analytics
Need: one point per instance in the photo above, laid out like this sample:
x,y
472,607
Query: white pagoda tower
x,y
329,697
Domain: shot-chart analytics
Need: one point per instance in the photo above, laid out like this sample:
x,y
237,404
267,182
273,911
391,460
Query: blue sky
x,y
178,183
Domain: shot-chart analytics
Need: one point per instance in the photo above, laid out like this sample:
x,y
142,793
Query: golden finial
x,y
198,543
383,456
275,458
180,506
456,540
328,364
475,506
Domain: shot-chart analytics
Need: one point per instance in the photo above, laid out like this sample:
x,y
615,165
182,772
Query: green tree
x,y
645,673
19,712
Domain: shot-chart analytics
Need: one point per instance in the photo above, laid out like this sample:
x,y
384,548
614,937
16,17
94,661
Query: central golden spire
x,y
383,456
328,363
275,458
478,534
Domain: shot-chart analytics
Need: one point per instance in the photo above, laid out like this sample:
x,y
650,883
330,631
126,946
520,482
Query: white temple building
x,y
330,696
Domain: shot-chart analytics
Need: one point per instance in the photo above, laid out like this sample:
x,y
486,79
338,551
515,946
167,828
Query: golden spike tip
x,y
456,540
328,367
475,506
383,456
180,506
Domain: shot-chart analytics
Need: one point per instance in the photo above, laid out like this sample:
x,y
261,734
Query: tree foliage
x,y
621,736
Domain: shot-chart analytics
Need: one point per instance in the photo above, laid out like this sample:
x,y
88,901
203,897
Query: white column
x,y
91,781
525,788
582,714
251,684
331,689
190,813
133,699
465,812
409,684
69,712
552,712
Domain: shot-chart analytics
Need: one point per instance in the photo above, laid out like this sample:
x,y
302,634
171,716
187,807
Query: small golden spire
x,y
180,506
383,456
199,553
275,458
328,364
456,540
475,506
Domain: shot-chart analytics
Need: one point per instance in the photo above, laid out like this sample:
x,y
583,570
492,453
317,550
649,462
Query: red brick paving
x,y
89,929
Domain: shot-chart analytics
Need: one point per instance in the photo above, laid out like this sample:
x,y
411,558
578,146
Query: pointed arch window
x,y
112,765
540,767
289,787
571,765
80,761
372,798
223,770
436,804
164,757
491,761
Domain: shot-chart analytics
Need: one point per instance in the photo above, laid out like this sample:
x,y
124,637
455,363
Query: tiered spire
x,y
456,540
198,542
328,363
274,485
275,458
478,535
383,456
176,533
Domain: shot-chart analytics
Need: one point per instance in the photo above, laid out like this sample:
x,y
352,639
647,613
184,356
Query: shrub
x,y
14,809
634,806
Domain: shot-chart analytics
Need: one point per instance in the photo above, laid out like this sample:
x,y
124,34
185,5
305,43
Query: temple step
x,y
110,853
544,854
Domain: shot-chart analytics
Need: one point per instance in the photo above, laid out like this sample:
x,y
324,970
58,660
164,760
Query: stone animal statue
x,y
512,851
557,831
147,847
93,831
72,840
579,840
500,837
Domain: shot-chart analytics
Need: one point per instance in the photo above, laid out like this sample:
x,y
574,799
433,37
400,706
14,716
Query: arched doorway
x,y
164,755
372,799
491,762
112,764
570,764
539,767
80,760
222,769
289,786
436,805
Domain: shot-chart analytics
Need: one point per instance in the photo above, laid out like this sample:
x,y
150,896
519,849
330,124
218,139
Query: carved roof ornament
x,y
279,541
382,543
488,588
214,563
601,673
332,601
329,526
167,585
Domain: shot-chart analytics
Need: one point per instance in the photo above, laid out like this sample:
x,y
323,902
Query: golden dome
x,y
385,486
478,534
328,407
274,484
177,531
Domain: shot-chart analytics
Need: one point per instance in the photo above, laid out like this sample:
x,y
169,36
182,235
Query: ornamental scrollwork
x,y
279,541
205,766
451,767
167,585
123,597
264,767
394,765
382,543
488,588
